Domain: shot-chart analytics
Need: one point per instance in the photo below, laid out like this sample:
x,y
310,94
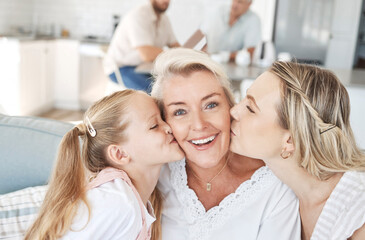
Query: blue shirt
x,y
245,33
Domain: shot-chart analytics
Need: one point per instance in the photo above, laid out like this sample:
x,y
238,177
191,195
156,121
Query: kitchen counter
x,y
30,37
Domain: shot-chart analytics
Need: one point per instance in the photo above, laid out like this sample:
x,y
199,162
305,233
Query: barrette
x,y
328,129
90,127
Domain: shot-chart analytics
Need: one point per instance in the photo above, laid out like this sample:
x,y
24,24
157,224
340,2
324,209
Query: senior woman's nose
x,y
167,128
198,121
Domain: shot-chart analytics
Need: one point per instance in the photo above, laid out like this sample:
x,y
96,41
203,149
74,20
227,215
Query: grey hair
x,y
184,61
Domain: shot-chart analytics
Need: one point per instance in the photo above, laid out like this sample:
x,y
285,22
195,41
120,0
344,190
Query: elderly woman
x,y
213,193
297,119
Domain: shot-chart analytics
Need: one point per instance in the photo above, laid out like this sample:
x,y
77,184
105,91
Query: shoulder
x,y
114,214
279,195
172,174
250,17
114,198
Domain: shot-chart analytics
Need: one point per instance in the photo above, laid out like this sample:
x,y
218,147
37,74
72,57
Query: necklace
x,y
209,183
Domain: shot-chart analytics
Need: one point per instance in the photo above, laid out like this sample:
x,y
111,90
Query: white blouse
x,y
344,211
115,214
260,208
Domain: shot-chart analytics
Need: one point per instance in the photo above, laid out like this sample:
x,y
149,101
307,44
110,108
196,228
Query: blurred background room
x,y
51,52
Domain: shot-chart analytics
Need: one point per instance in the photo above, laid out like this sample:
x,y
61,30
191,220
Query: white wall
x,y
95,17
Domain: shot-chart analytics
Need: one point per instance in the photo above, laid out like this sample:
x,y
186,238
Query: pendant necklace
x,y
209,183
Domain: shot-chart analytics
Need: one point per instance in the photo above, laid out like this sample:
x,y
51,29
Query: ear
x,y
118,155
288,144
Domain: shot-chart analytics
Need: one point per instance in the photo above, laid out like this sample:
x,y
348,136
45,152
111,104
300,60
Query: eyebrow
x,y
203,99
253,100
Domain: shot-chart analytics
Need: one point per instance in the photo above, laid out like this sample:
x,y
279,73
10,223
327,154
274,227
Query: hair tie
x,y
327,129
90,127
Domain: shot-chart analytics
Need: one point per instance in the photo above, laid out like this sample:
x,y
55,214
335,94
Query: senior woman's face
x,y
197,110
255,127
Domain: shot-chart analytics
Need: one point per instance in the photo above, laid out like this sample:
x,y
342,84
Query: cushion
x,y
28,149
18,211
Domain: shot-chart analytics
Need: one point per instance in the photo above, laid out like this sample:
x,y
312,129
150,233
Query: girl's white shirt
x,y
260,208
115,214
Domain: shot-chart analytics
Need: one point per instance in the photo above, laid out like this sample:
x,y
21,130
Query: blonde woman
x,y
125,143
296,118
213,194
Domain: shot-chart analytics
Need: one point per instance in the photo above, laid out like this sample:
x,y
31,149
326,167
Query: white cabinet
x,y
35,83
66,74
25,85
37,75
345,24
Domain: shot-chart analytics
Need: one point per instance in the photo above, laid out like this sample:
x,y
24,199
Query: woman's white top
x,y
260,208
115,214
344,211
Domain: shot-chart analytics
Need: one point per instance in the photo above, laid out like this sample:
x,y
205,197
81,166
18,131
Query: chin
x,y
202,163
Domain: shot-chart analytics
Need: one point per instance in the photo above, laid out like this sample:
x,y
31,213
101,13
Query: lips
x,y
232,133
172,140
203,143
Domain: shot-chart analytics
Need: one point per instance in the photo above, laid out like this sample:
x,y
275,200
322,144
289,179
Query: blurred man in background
x,y
232,28
139,37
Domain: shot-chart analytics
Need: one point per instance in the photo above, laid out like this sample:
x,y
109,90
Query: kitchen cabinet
x,y
66,74
38,75
35,86
344,32
25,77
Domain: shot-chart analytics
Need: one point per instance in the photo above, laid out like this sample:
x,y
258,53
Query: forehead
x,y
266,86
141,105
194,85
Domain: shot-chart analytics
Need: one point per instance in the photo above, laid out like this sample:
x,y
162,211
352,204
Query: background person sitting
x,y
139,38
230,29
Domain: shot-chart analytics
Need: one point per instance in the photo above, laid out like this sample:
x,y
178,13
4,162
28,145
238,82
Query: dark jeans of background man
x,y
133,80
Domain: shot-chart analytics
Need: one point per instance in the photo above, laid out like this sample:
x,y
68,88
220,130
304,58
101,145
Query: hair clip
x,y
328,129
90,127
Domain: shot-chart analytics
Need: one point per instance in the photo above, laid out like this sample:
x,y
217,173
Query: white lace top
x,y
260,208
344,211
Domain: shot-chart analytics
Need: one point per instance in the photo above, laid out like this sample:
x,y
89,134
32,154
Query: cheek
x,y
178,129
226,126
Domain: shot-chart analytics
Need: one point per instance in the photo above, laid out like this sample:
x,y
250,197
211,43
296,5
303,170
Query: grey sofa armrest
x,y
28,148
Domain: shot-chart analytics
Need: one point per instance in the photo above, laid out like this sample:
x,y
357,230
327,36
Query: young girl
x,y
296,118
102,191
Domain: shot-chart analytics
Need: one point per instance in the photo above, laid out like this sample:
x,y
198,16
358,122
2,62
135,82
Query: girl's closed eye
x,y
250,109
154,126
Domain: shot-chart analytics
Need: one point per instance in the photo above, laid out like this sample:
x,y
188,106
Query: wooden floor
x,y
63,115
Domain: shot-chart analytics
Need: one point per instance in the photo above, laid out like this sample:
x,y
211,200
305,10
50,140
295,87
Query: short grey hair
x,y
184,61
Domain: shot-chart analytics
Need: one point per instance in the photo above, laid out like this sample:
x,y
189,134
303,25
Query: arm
x,y
233,55
174,45
148,53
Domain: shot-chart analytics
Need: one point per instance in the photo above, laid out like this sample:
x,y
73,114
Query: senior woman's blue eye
x,y
212,105
179,112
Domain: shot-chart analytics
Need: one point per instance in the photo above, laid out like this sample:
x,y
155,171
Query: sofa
x,y
28,148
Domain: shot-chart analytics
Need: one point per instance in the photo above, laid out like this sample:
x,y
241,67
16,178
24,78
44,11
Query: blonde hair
x,y
315,107
67,186
184,61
